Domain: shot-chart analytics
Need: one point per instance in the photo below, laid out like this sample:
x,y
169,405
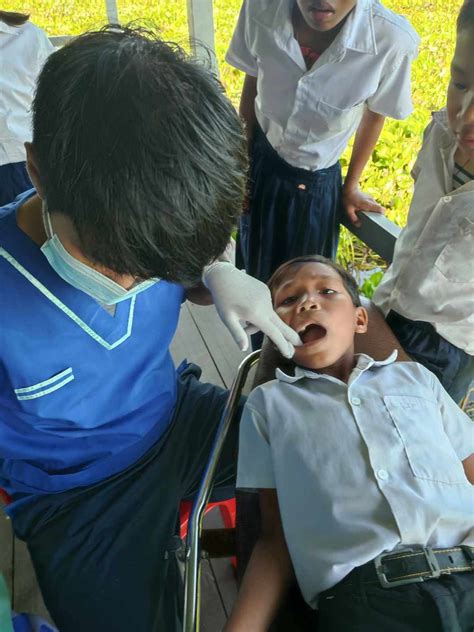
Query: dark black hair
x,y
139,146
466,15
12,18
347,279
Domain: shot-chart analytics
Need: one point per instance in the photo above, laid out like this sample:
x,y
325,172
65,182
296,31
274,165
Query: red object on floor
x,y
5,497
226,507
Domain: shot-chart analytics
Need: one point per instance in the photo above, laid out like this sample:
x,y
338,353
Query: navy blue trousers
x,y
14,180
105,555
453,367
292,212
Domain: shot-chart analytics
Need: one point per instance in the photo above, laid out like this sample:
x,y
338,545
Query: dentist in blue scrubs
x,y
138,162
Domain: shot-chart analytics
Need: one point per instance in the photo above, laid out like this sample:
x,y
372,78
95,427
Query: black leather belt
x,y
408,566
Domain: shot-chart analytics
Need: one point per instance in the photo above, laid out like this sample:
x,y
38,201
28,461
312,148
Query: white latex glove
x,y
239,298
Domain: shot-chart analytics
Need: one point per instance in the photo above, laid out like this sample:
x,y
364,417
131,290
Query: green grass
x,y
387,177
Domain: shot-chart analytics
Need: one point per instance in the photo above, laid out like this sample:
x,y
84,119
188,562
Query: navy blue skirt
x,y
292,212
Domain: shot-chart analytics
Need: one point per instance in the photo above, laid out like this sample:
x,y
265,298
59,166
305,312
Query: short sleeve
x,y
43,49
239,54
255,469
457,425
393,95
416,169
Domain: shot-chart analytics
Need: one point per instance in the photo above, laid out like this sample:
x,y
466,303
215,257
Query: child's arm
x,y
366,138
268,574
247,105
468,465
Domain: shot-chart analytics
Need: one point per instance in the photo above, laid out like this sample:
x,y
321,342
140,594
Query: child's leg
x,y
105,556
292,212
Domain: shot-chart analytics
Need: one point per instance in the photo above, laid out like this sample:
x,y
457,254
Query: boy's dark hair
x,y
139,146
347,279
466,15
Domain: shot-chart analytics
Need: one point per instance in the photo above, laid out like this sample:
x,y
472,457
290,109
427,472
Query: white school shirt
x,y
23,51
309,115
432,274
359,468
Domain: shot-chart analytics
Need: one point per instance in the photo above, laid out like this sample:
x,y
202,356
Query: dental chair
x,y
295,614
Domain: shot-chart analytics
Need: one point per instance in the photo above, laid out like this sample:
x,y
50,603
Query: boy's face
x,y
460,102
313,301
324,15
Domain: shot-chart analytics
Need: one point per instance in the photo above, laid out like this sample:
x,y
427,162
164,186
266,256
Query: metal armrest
x,y
193,544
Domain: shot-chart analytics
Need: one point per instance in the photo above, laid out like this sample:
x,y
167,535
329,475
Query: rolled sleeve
x,y
255,468
239,54
393,96
457,425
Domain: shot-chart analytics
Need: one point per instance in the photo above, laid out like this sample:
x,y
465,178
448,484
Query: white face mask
x,y
95,284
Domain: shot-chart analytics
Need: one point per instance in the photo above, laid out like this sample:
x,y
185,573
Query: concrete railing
x,y
378,232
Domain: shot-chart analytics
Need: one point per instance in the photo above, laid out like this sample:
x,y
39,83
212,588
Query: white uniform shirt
x,y
359,468
432,274
23,51
310,115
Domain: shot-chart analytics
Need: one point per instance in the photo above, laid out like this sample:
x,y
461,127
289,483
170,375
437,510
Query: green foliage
x,y
387,177
367,287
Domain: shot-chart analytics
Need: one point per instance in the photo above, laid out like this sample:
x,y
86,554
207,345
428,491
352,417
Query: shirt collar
x,y
364,363
447,146
357,33
10,30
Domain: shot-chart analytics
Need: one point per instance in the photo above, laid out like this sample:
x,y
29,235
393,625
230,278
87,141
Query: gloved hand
x,y
239,298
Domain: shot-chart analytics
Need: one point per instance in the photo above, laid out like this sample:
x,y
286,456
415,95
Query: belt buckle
x,y
431,560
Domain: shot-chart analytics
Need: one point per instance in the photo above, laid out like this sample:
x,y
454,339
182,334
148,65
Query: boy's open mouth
x,y
311,333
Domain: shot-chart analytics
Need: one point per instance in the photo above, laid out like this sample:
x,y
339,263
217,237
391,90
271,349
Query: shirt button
x,y
382,474
355,401
447,199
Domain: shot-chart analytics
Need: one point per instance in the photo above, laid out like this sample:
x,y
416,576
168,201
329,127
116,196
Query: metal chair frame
x,y
192,562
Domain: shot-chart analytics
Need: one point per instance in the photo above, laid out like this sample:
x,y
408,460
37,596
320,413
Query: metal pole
x,y
201,31
112,11
193,544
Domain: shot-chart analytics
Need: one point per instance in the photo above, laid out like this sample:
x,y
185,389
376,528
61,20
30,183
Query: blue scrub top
x,y
83,394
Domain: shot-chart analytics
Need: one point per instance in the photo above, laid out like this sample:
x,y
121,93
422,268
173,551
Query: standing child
x,y
316,71
365,471
23,50
432,312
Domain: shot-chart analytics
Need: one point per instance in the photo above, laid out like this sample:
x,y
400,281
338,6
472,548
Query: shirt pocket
x,y
455,262
331,119
428,449
45,387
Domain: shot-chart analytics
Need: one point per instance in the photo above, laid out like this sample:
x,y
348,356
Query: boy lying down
x,y
365,471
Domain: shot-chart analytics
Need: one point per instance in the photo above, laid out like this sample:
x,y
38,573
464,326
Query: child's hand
x,y
355,200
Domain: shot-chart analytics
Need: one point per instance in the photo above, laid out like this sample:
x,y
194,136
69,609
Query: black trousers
x,y
436,605
452,366
105,555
